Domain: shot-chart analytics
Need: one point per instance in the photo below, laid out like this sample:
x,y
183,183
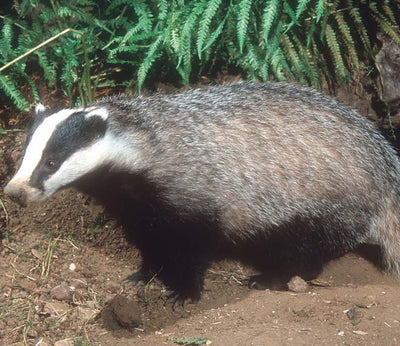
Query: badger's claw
x,y
180,299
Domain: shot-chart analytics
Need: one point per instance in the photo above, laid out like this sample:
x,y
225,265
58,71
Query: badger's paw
x,y
180,299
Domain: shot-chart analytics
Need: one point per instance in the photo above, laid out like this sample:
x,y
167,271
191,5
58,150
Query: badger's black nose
x,y
16,193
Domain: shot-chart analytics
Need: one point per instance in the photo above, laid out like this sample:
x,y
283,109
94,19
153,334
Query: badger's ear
x,y
40,111
96,123
98,112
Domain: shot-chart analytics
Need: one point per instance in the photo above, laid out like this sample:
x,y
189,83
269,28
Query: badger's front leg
x,y
178,254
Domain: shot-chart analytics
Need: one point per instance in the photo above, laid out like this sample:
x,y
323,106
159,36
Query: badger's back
x,y
256,156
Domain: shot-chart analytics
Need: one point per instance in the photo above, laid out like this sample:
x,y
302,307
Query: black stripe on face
x,y
73,134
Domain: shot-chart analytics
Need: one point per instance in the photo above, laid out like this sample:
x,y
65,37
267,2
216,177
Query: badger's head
x,y
61,148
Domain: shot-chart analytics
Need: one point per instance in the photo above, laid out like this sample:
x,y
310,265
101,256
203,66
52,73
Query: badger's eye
x,y
51,164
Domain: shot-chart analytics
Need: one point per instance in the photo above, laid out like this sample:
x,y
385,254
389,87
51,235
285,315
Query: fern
x,y
270,13
13,93
149,60
362,30
384,23
320,10
124,42
347,38
311,72
243,21
333,45
292,55
204,25
217,32
300,7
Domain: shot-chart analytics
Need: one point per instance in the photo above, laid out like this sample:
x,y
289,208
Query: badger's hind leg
x,y
301,248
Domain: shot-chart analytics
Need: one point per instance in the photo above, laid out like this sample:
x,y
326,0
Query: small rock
x,y
54,309
64,342
32,333
37,253
359,332
297,284
61,292
85,314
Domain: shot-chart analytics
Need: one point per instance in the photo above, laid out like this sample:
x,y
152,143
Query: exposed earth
x,y
62,263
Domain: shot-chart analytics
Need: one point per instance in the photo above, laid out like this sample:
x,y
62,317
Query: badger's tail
x,y
385,231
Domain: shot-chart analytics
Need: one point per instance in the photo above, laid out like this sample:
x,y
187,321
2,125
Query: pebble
x,y
297,284
61,292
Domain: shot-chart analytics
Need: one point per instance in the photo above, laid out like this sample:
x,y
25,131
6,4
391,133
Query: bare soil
x,y
62,263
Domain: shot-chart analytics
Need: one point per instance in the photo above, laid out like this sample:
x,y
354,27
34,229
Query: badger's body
x,y
276,175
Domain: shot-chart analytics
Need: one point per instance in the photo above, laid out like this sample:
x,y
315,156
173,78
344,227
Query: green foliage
x,y
124,42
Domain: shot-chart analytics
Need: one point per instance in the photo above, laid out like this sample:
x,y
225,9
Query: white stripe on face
x,y
38,143
108,150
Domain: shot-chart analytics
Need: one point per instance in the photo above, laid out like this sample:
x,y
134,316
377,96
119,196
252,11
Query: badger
x,y
275,175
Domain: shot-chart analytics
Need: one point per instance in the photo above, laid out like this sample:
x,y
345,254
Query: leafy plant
x,y
123,42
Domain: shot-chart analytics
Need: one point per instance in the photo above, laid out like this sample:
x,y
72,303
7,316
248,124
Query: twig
x,y
27,276
27,326
5,210
47,258
9,248
51,39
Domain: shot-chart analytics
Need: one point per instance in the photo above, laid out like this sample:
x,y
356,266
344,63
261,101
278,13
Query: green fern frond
x,y
320,9
186,36
49,70
290,53
6,42
251,60
243,21
287,8
174,39
218,31
269,16
145,15
347,38
300,8
389,12
8,87
163,7
152,54
362,31
384,24
211,9
279,64
334,48
311,72
311,32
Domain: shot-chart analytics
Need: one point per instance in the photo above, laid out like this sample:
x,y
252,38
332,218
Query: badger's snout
x,y
21,192
16,193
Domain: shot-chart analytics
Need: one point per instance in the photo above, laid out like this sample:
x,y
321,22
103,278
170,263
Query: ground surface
x,y
61,264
